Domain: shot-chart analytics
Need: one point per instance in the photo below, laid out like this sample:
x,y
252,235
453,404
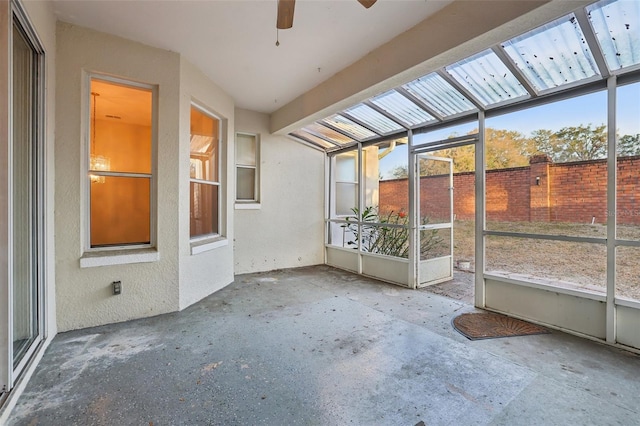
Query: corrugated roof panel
x,y
553,55
487,78
399,106
374,119
438,94
354,129
617,28
313,138
328,133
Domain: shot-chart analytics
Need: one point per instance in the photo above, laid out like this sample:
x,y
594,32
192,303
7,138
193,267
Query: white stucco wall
x,y
203,273
84,296
287,230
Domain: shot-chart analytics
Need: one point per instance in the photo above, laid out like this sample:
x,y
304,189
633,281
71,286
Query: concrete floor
x,y
318,346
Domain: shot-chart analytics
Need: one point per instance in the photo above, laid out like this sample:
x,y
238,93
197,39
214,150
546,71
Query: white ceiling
x,y
233,41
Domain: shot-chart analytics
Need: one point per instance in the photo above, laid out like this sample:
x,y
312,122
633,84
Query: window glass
x,y
204,209
204,199
121,128
346,183
246,150
120,211
204,146
27,193
247,174
120,164
246,178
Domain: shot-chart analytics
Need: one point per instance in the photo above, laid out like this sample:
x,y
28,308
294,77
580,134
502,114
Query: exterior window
x,y
247,175
120,163
204,174
346,183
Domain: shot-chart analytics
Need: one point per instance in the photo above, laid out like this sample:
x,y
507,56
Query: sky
x,y
587,109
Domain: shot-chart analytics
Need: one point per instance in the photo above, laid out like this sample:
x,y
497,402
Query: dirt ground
x,y
566,264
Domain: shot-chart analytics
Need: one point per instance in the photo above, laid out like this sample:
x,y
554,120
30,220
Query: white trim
x,y
119,257
198,247
627,303
6,49
247,206
479,290
583,293
256,183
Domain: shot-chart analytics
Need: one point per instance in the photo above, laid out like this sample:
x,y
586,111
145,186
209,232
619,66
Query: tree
x,y
544,142
629,145
506,148
581,143
574,143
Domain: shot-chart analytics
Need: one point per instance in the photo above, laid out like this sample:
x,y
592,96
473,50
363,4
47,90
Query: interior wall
x,y
84,295
287,230
127,146
203,273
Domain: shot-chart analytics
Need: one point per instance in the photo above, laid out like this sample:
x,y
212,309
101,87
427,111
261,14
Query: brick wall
x,y
541,192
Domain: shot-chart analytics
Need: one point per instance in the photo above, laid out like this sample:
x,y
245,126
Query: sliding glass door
x,y
23,201
25,271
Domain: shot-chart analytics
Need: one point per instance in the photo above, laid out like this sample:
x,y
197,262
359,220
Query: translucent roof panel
x,y
320,130
553,55
355,130
617,28
487,78
374,119
399,106
312,138
438,94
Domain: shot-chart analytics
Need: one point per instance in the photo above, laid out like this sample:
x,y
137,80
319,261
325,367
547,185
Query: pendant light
x,y
97,163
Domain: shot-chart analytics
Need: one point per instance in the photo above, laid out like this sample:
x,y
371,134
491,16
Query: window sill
x,y
248,206
118,257
202,246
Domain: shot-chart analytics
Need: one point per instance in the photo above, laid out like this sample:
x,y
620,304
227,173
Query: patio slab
x,y
320,346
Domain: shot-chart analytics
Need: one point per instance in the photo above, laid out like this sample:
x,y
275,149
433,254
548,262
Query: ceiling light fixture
x,y
286,8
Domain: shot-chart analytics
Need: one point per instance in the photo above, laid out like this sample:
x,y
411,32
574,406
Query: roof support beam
x,y
456,31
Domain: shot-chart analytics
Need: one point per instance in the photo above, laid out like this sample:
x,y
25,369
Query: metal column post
x,y
480,215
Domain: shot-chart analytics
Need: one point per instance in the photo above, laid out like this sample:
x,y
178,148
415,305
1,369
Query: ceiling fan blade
x,y
285,14
367,3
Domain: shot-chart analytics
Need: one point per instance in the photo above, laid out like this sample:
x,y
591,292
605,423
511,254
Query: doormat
x,y
489,325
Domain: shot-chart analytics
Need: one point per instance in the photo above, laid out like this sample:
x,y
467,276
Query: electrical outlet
x,y
117,287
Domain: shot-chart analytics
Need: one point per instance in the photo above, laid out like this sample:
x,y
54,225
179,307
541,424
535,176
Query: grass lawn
x,y
567,264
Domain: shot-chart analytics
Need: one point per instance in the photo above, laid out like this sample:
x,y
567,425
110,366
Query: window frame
x,y
256,200
92,252
200,242
355,183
